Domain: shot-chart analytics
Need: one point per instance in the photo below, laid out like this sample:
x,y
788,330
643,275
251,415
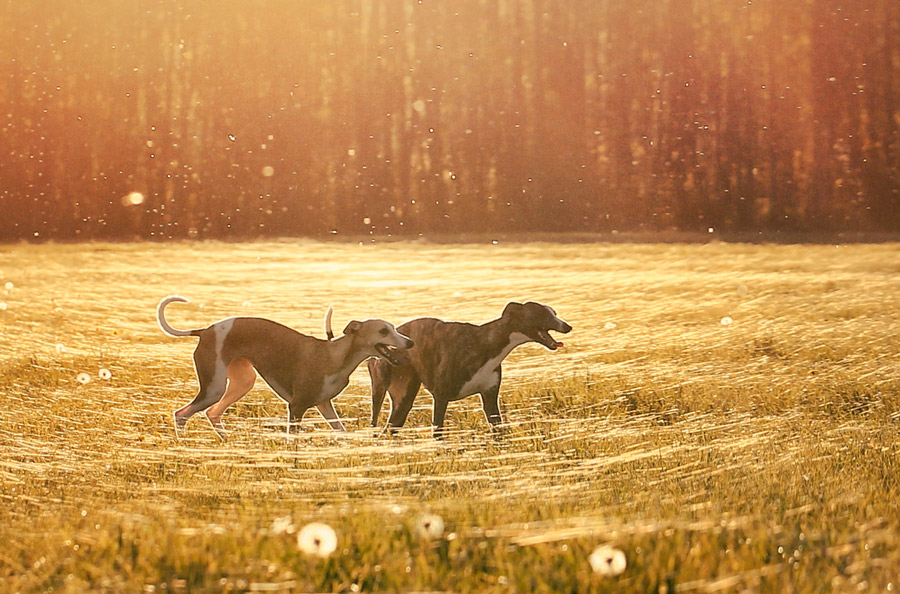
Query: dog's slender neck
x,y
499,332
345,354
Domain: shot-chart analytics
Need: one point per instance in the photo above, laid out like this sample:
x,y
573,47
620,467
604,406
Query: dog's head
x,y
535,320
380,338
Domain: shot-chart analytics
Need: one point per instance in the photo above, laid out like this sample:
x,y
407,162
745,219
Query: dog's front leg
x,y
327,410
490,404
295,415
380,374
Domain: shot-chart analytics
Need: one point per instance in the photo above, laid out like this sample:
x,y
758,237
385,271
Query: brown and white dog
x,y
303,370
455,360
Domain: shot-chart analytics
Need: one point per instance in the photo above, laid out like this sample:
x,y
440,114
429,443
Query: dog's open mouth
x,y
543,337
389,353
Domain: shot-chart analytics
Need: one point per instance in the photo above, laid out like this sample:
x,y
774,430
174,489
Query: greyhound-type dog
x,y
303,370
455,360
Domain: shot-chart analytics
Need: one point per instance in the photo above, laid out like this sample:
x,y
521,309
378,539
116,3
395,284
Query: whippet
x,y
455,360
303,370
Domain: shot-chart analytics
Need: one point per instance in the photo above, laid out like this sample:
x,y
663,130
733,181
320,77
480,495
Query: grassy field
x,y
726,415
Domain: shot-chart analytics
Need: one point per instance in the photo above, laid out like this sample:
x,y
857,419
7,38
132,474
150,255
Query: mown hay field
x,y
726,415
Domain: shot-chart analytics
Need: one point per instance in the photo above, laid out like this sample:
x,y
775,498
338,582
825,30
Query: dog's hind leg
x,y
241,377
437,416
327,410
212,374
380,374
404,389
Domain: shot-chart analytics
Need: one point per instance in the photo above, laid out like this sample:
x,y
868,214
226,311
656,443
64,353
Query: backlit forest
x,y
240,118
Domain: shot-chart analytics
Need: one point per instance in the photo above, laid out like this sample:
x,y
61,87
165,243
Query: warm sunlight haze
x,y
450,296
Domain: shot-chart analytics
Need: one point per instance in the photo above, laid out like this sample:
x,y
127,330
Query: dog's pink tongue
x,y
559,345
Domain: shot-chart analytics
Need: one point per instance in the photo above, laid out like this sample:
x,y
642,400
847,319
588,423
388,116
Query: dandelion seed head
x,y
282,525
83,378
3,306
607,561
216,528
9,286
727,321
104,373
317,539
430,526
60,347
610,325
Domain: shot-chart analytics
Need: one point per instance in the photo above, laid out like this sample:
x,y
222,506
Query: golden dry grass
x,y
758,455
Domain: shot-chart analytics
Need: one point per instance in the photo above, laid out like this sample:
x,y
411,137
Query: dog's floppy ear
x,y
353,327
512,308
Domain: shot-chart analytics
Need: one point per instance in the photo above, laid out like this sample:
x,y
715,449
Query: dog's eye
x,y
384,332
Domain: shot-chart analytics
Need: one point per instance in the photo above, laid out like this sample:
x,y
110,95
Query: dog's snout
x,y
565,328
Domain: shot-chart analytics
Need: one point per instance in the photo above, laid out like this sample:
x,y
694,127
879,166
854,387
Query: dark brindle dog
x,y
455,360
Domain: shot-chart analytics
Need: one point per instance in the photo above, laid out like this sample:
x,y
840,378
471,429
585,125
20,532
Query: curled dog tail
x,y
328,331
161,318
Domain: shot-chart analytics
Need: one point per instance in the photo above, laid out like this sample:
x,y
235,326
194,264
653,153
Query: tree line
x,y
244,118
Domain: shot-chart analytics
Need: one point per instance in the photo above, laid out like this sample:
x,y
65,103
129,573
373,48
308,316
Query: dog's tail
x,y
161,318
328,331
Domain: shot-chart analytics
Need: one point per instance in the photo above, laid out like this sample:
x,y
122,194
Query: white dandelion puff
x,y
3,306
9,286
83,378
317,539
727,321
429,526
60,348
282,525
216,529
610,325
104,373
607,561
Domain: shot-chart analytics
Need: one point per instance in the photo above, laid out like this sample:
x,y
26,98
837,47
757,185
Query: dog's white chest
x,y
487,377
333,384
